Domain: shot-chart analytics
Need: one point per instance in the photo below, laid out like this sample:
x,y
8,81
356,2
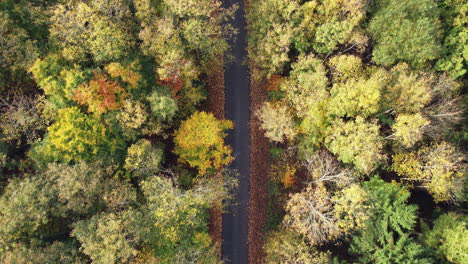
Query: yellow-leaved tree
x,y
200,142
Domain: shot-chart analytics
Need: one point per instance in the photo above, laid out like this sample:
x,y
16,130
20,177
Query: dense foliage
x,y
96,97
366,121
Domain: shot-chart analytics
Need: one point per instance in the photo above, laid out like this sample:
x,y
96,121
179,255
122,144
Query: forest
x,y
366,122
110,153
106,154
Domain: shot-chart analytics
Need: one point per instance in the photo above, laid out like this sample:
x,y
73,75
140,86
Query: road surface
x,y
234,248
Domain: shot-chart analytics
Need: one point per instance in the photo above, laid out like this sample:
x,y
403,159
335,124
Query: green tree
x,y
21,120
179,218
408,31
200,142
449,237
81,187
386,237
356,142
27,206
455,57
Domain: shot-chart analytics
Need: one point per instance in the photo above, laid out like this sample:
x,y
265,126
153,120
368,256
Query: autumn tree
x,y
407,31
58,79
21,119
408,129
386,237
100,95
110,237
74,137
200,142
101,29
143,159
439,168
315,214
359,95
408,91
356,142
322,166
289,248
132,116
277,122
306,88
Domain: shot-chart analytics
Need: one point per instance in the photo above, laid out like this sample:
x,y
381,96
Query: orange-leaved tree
x,y
100,95
200,142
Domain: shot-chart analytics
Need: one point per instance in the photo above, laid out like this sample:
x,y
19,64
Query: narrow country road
x,y
236,83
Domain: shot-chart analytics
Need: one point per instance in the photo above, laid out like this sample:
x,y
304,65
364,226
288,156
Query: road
x,y
234,248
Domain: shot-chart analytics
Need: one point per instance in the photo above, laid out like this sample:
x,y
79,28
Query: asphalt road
x,y
234,248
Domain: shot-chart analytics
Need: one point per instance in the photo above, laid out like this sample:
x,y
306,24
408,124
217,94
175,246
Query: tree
x,y
277,122
100,95
27,206
110,237
409,91
320,217
80,187
57,252
351,208
74,137
101,29
162,105
409,129
132,117
179,218
334,23
306,87
439,168
285,247
272,25
184,38
322,166
358,95
200,142
448,237
408,31
454,59
310,213
17,49
21,120
386,237
143,159
356,142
